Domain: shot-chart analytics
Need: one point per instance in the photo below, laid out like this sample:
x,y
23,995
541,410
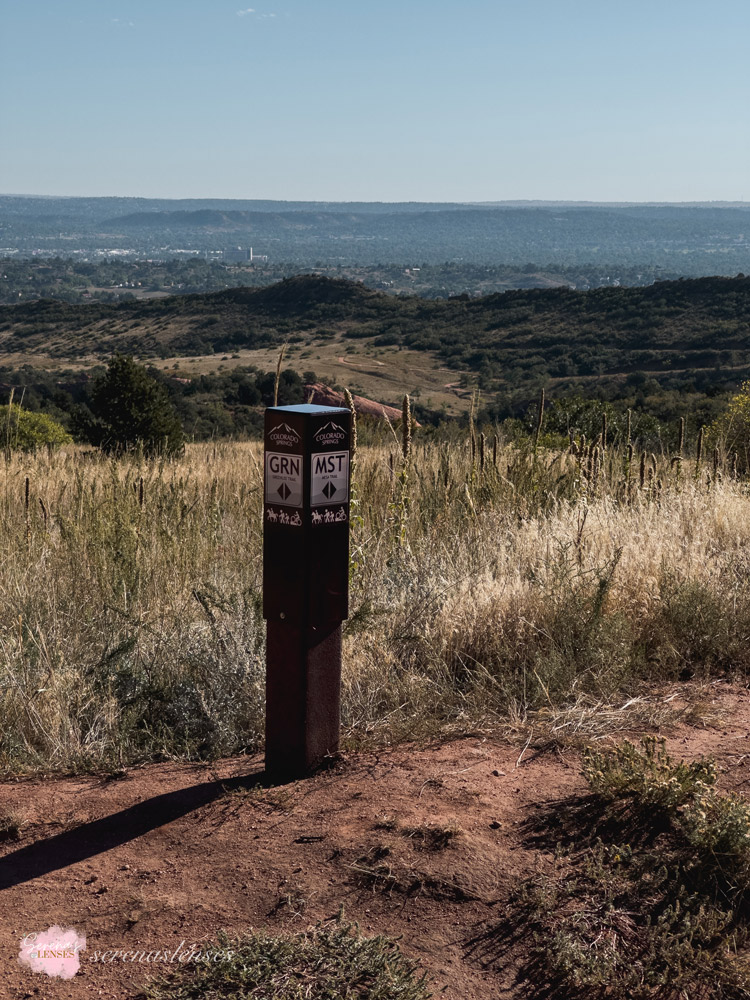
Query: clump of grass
x,y
426,836
654,902
386,822
406,881
378,871
292,902
432,838
336,963
11,824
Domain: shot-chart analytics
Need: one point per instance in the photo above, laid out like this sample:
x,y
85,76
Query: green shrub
x,y
649,776
718,829
23,430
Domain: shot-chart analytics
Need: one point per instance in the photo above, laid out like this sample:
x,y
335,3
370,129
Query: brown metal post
x,y
305,582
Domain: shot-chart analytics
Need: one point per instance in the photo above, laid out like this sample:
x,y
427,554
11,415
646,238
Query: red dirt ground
x,y
172,853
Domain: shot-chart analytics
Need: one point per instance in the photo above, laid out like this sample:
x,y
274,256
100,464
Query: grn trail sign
x,y
305,581
284,479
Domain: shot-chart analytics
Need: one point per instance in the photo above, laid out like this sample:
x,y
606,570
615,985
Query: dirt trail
x,y
171,853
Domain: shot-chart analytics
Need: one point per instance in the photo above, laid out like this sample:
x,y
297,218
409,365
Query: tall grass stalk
x,y
539,421
278,375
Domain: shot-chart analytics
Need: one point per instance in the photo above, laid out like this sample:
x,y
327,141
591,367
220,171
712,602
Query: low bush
x,y
336,963
24,430
651,900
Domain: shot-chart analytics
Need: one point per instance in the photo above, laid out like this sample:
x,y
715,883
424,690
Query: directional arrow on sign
x,y
329,489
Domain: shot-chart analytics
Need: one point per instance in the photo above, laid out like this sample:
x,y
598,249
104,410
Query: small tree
x,y
131,409
731,431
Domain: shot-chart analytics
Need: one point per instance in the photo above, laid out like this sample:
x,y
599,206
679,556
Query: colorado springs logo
x,y
330,433
284,435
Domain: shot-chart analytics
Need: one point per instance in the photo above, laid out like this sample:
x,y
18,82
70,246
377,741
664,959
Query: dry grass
x,y
130,612
548,589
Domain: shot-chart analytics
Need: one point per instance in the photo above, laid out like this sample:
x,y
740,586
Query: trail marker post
x,y
305,582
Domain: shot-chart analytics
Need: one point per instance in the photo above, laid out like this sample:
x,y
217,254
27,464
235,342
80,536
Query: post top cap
x,y
309,408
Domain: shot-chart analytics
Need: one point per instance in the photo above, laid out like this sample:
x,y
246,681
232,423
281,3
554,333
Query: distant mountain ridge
x,y
687,240
227,219
107,205
636,215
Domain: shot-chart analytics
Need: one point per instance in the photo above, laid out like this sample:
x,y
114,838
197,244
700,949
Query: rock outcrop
x,y
324,395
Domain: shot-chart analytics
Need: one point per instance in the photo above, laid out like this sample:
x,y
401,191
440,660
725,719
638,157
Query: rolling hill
x,y
698,326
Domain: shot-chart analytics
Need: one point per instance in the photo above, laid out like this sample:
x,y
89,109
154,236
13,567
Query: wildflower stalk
x,y
356,520
539,422
680,446
404,473
278,375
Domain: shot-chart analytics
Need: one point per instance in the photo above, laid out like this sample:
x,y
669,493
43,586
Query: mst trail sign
x,y
305,581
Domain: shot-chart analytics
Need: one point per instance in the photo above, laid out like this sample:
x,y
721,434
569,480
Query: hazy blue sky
x,y
481,100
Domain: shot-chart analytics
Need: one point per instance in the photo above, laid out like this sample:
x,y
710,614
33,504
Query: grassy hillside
x,y
693,329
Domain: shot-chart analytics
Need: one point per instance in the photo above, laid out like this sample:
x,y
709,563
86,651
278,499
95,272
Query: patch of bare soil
x,y
425,843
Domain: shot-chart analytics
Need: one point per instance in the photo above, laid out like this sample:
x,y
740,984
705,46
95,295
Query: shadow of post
x,y
86,841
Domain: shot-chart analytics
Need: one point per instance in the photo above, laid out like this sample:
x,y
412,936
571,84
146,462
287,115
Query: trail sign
x,y
284,479
305,581
329,478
